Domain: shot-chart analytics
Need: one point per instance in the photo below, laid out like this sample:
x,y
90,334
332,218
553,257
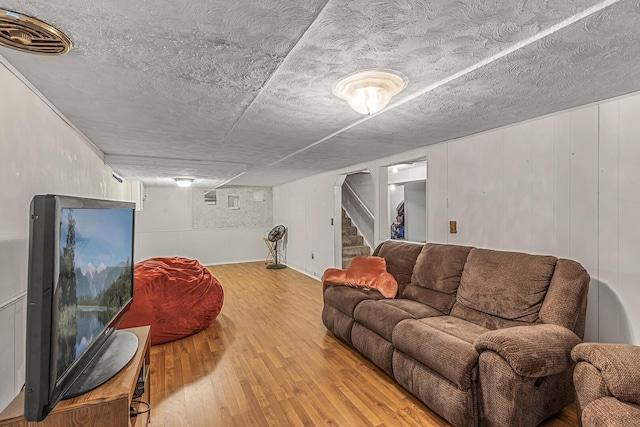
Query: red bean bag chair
x,y
176,296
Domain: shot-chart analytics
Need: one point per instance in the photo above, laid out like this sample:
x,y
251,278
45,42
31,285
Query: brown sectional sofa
x,y
482,337
607,380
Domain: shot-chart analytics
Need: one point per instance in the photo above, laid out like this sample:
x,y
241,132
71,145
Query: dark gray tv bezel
x,y
42,389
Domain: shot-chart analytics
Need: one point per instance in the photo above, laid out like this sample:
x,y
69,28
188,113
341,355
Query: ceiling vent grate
x,y
29,34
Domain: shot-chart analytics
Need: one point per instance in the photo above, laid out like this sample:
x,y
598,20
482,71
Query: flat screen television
x,y
80,286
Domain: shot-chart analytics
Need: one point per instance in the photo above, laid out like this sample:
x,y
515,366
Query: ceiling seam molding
x,y
123,159
275,71
44,99
516,46
230,179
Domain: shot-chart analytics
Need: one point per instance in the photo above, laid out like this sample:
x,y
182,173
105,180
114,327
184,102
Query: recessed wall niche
x,y
210,197
233,202
233,207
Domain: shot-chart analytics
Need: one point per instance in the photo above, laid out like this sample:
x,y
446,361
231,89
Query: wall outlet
x,y
453,227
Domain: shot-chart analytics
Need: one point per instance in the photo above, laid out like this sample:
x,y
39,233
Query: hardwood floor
x,y
268,360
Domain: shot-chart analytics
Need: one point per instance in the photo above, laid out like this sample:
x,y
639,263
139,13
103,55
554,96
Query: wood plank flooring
x,y
268,360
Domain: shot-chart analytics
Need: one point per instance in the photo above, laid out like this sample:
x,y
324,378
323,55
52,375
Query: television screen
x,y
94,280
80,287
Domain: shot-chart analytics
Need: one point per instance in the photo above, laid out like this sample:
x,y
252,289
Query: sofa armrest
x,y
532,351
609,411
619,366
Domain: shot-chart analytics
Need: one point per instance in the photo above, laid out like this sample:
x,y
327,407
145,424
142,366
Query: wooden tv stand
x,y
105,406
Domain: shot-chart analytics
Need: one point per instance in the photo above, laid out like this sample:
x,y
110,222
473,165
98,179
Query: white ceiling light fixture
x,y
184,182
368,92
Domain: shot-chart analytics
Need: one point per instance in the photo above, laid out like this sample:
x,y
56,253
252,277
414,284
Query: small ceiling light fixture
x,y
117,177
368,92
31,35
394,169
184,182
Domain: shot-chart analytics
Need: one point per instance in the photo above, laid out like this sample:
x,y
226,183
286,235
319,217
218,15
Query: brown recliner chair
x,y
607,382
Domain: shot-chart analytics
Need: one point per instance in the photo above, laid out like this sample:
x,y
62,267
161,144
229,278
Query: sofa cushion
x,y
346,299
376,348
368,272
400,258
383,315
509,285
486,320
337,322
436,275
442,344
459,328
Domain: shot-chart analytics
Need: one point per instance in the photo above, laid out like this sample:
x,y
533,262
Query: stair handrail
x,y
360,202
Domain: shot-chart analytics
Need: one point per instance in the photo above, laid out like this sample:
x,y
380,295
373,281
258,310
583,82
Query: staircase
x,y
352,244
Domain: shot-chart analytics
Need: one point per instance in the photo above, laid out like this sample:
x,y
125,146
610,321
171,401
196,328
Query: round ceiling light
x,y
368,92
184,182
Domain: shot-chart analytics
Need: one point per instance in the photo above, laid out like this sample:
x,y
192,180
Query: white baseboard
x,y
304,272
232,262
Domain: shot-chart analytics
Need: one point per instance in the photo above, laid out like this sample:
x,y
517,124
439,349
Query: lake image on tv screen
x,y
95,277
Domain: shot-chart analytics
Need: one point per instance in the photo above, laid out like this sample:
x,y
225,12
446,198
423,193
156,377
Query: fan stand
x,y
271,256
276,265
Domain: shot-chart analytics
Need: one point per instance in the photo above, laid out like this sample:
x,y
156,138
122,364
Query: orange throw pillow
x,y
368,272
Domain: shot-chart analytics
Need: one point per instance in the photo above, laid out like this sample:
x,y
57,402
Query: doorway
x,y
354,195
407,200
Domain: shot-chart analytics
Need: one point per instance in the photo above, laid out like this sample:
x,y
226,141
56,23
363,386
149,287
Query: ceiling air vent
x,y
29,34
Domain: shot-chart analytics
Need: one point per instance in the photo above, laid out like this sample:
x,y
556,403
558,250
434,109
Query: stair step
x,y
351,251
349,231
346,222
346,261
352,241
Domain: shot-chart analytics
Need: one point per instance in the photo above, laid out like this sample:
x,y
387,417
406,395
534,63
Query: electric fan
x,y
275,235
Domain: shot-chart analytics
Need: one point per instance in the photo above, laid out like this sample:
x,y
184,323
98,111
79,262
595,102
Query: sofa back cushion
x,y
509,286
566,301
400,258
436,275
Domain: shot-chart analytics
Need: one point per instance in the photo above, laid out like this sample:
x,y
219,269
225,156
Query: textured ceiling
x,y
241,91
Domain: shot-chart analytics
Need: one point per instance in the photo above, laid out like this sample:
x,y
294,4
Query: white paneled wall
x,y
8,363
318,218
619,232
166,228
305,207
19,335
290,209
437,193
531,187
224,246
39,153
565,184
542,192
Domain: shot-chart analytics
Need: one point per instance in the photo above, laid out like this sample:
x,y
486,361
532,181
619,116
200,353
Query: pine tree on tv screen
x,y
94,279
